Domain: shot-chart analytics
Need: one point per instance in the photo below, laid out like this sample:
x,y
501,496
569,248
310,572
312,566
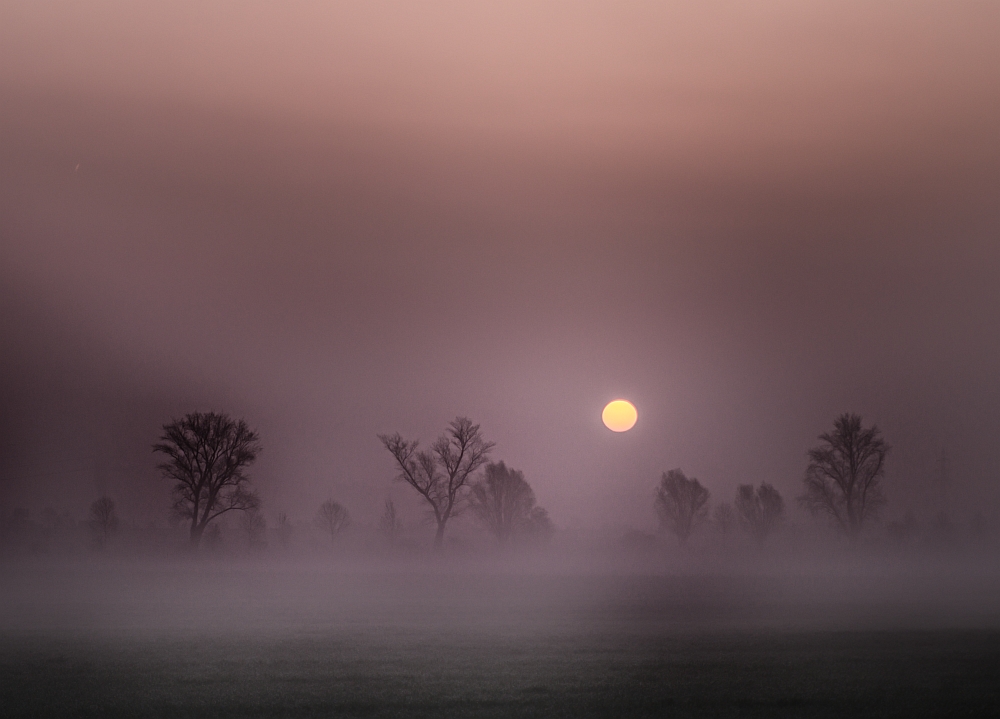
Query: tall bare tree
x,y
844,475
103,520
680,503
502,501
333,518
441,476
207,455
759,510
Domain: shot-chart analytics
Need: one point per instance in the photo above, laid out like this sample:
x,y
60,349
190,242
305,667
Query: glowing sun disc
x,y
619,415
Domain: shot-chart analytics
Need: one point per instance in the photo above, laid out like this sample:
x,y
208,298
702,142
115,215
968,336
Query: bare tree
x,y
207,457
103,520
759,510
724,517
441,475
844,475
284,530
502,501
333,518
680,503
254,525
390,523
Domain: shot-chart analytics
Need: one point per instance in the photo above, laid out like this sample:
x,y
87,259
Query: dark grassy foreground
x,y
281,643
384,675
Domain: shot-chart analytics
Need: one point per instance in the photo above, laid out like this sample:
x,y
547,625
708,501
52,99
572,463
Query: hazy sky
x,y
339,219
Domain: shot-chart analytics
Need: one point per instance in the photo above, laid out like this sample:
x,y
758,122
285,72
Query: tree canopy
x,y
759,510
503,501
207,455
441,476
680,503
333,518
844,475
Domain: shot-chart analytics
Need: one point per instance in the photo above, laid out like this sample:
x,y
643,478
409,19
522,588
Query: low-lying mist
x,y
593,624
566,588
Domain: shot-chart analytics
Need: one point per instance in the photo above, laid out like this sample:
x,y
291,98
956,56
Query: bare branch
x,y
333,518
207,455
502,501
441,476
844,476
759,510
680,503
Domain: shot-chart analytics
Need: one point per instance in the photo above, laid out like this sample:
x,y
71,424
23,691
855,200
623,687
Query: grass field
x,y
293,642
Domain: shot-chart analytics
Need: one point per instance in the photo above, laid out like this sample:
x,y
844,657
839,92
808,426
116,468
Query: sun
x,y
619,415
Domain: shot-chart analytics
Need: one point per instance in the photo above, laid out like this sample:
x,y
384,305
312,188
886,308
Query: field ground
x,y
284,642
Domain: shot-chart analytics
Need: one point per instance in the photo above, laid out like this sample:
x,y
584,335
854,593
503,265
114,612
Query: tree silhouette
x,y
538,526
441,476
390,523
254,525
284,530
103,520
503,501
759,510
680,503
844,475
333,518
207,457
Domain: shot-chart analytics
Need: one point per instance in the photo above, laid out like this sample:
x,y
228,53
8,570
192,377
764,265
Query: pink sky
x,y
343,219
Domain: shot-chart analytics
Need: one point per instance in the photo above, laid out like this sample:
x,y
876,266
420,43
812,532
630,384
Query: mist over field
x,y
310,316
494,638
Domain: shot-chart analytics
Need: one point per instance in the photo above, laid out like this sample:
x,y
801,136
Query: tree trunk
x,y
196,531
439,537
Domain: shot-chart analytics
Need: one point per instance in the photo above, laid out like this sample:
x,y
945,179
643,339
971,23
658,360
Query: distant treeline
x,y
207,457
